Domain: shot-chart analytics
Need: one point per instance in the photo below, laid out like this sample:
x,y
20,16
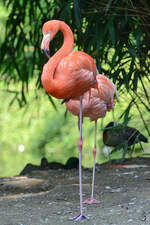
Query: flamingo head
x,y
49,30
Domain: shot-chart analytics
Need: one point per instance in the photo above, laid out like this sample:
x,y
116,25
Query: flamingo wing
x,y
76,73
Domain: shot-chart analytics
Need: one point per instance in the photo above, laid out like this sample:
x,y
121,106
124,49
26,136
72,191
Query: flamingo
x,y
68,74
95,106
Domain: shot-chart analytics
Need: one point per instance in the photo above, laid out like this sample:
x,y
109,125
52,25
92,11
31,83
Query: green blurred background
x,y
38,130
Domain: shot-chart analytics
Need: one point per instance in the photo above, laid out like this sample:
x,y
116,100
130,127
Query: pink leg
x,y
81,216
92,200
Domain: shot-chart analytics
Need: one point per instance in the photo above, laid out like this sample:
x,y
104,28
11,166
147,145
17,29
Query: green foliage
x,y
98,26
115,33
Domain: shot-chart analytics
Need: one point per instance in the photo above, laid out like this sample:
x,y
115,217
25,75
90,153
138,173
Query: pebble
x,y
130,220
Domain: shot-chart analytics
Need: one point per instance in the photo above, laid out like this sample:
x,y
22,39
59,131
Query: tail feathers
x,y
143,138
65,100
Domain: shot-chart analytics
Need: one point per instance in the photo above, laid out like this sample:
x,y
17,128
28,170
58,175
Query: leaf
x,y
133,52
77,13
52,102
125,79
127,116
131,70
108,5
135,80
126,113
66,113
117,54
111,30
138,37
12,101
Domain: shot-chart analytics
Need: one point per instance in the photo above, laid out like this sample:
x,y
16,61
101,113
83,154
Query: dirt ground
x,y
50,197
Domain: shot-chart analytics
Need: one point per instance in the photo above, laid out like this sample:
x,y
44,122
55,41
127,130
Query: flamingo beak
x,y
46,52
45,44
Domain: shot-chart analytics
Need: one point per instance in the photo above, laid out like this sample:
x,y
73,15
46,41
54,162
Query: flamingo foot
x,y
91,201
80,217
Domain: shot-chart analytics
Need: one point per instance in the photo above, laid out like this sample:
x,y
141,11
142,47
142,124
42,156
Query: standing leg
x,y
81,216
92,200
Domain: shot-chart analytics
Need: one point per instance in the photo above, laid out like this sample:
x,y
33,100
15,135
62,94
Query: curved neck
x,y
48,79
67,46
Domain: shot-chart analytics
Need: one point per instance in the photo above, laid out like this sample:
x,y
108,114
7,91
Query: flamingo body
x,y
96,103
68,73
92,106
106,89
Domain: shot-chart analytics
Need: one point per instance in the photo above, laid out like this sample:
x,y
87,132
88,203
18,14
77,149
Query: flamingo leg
x,y
92,200
81,216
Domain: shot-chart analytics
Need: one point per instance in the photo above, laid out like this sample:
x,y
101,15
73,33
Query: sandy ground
x,y
50,197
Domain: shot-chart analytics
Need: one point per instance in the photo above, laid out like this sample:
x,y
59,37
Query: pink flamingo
x,y
68,74
95,105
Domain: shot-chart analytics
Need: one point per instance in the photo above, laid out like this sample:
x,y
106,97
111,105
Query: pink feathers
x,y
97,102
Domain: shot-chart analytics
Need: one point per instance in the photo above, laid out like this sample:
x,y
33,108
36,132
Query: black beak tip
x,y
46,52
